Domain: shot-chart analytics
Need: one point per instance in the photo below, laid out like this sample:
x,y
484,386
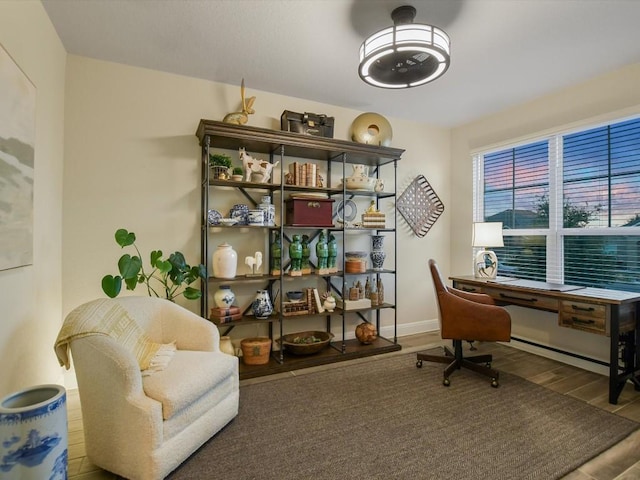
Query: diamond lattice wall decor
x,y
420,206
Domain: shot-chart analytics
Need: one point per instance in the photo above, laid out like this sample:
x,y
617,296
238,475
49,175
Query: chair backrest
x,y
468,316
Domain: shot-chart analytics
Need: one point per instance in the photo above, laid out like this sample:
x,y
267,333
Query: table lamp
x,y
486,234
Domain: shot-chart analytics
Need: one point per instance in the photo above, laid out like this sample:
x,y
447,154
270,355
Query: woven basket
x,y
256,350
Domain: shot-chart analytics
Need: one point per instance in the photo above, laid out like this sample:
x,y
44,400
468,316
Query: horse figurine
x,y
254,263
255,165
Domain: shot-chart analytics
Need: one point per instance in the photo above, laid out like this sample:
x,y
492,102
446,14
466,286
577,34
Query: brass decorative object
x,y
372,129
241,118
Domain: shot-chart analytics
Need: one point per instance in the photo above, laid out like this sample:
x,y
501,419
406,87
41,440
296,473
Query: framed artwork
x,y
17,155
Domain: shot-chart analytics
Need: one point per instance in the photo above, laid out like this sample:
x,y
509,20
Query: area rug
x,y
386,419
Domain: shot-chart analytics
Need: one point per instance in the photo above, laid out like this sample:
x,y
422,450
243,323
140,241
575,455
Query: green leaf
x,y
125,238
191,293
202,271
111,285
178,261
129,266
131,283
164,266
156,255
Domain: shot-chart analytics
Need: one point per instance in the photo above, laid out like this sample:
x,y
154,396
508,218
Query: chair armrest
x,y
464,319
117,415
188,330
474,297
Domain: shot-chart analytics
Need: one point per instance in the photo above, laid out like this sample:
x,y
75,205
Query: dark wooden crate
x,y
309,212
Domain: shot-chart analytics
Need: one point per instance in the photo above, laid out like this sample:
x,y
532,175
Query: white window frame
x,y
556,232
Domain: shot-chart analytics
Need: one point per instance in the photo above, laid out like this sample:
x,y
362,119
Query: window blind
x,y
601,176
516,185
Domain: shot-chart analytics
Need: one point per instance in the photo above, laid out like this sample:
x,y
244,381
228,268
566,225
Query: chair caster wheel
x,y
494,383
446,382
419,364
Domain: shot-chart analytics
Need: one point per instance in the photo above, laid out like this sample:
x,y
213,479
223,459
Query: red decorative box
x,y
309,212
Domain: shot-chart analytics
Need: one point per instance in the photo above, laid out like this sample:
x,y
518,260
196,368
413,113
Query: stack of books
x,y
304,174
225,315
373,220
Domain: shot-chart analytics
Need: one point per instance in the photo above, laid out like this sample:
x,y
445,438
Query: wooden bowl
x,y
294,342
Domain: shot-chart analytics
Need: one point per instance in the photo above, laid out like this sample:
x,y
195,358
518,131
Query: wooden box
x,y
309,212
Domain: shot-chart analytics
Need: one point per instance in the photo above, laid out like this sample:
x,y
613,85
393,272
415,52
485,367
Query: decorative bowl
x,y
305,343
295,295
356,255
228,221
360,183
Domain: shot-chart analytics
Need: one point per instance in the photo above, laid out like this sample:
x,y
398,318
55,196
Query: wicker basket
x,y
255,350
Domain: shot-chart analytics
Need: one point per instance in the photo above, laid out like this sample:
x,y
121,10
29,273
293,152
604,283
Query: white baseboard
x,y
403,329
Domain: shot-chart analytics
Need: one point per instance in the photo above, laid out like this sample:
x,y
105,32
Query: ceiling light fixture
x,y
405,55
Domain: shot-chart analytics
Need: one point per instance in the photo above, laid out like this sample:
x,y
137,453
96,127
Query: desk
x,y
613,313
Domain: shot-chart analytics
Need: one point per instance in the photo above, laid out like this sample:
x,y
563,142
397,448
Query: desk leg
x,y
624,356
615,386
636,342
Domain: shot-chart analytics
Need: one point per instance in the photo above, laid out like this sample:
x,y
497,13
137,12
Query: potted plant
x,y
220,164
172,277
237,174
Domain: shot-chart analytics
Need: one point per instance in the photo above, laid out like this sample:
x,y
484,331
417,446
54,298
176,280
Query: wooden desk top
x,y
559,291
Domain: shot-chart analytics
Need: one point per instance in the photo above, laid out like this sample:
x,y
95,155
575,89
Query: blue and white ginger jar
x,y
262,306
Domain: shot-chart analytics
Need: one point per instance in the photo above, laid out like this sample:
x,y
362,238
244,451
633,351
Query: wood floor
x,y
621,462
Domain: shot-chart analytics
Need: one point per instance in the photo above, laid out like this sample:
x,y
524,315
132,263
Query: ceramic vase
x,y
240,212
225,261
226,346
377,252
33,434
269,211
256,217
262,306
224,296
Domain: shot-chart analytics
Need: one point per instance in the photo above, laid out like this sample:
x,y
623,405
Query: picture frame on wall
x,y
17,162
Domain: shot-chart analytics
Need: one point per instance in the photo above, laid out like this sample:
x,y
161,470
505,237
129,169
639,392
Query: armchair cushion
x,y
177,391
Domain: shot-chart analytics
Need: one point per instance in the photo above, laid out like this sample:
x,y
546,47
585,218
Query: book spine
x,y
223,312
227,318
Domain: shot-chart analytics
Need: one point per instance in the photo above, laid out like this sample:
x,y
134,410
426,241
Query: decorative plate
x,y
213,217
346,210
420,206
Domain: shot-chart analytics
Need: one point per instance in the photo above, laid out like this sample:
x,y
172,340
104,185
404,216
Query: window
x,y
570,206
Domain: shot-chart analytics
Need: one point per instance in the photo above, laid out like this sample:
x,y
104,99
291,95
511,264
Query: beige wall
x,y
604,98
132,161
31,297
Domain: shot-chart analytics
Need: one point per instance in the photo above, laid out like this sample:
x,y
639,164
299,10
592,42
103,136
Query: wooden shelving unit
x,y
335,156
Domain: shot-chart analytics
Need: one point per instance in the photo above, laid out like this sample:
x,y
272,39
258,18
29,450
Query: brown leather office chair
x,y
466,316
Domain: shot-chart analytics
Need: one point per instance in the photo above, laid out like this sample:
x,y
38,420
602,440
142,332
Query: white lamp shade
x,y
487,234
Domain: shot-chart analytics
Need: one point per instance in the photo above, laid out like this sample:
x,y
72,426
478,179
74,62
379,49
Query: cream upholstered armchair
x,y
153,383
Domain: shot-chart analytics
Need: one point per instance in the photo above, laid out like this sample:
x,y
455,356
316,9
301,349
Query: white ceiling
x,y
504,52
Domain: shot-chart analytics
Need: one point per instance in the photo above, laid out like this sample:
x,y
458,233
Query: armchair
x,y
143,426
466,316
